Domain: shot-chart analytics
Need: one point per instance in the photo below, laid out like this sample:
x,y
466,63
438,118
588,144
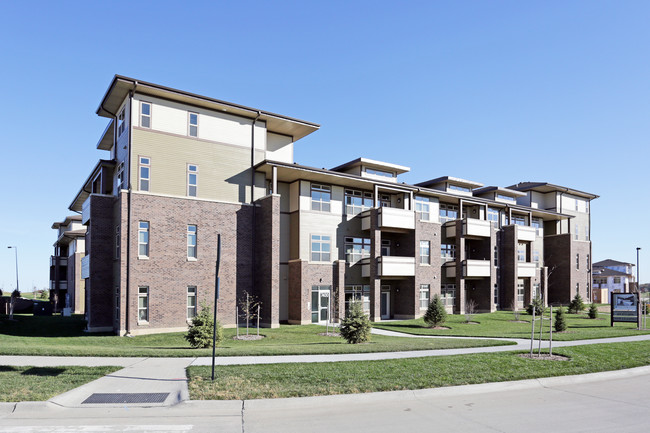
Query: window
x,y
520,291
577,288
577,234
506,198
425,295
378,172
117,242
496,256
320,248
521,252
458,188
145,114
617,280
587,262
145,166
385,247
493,215
357,293
191,242
384,200
536,292
121,126
538,224
536,257
496,294
143,239
577,261
448,294
357,201
577,205
519,220
193,120
356,249
143,304
320,197
425,252
448,212
448,251
192,179
422,208
191,302
586,233
120,175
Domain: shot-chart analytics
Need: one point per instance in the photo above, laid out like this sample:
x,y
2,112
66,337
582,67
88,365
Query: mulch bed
x,y
250,337
545,357
330,334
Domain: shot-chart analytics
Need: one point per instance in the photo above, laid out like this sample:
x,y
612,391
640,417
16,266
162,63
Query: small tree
x,y
577,305
12,302
470,310
199,335
593,311
249,306
560,320
436,313
356,327
44,294
538,305
515,311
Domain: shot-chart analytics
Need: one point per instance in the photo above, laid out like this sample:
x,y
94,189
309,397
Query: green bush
x,y
436,313
560,320
577,305
593,311
538,304
356,327
199,335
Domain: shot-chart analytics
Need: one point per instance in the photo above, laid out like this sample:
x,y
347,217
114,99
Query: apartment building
x,y
67,287
611,276
182,168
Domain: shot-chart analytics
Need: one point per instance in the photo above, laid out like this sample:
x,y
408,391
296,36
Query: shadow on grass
x,y
43,371
28,325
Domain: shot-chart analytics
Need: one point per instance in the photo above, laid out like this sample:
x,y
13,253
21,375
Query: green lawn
x,y
300,380
57,335
43,383
502,324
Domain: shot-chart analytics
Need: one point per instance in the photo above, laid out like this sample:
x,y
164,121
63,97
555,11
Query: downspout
x,y
128,220
253,238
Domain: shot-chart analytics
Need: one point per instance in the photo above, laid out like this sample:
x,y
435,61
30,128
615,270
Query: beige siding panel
x,y
284,191
318,223
224,171
279,148
294,197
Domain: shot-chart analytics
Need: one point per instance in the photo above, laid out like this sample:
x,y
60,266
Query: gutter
x,y
128,218
259,113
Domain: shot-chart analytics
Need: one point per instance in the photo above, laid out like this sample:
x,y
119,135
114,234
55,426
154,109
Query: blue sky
x,y
497,92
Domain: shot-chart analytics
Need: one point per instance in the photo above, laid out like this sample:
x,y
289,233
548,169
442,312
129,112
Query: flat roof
x,y
454,180
498,189
66,221
545,187
380,165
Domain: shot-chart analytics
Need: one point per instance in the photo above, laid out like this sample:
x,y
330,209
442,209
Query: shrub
x,y
436,313
560,320
538,304
593,311
199,335
356,327
577,305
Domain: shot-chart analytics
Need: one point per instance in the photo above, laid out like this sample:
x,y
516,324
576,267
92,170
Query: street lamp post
x,y
638,285
16,250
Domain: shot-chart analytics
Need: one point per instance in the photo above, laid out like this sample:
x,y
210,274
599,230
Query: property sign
x,y
625,307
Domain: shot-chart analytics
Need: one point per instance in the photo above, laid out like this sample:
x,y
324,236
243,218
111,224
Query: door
x,y
320,304
384,303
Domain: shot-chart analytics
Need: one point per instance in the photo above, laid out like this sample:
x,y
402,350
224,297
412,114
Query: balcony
x,y
58,260
390,266
526,269
450,269
471,227
390,218
476,268
525,233
85,266
63,285
85,211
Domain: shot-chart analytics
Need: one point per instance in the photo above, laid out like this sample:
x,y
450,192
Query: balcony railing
x,y
85,211
476,268
61,261
390,218
63,285
526,269
471,227
85,267
390,266
525,233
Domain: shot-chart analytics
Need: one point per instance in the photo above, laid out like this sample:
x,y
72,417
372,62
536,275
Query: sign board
x,y
625,307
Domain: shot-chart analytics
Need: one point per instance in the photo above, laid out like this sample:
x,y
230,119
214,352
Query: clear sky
x,y
492,91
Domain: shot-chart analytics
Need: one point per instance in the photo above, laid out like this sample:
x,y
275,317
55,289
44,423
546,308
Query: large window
x,y
191,302
143,304
493,215
448,251
356,249
120,175
321,196
143,239
425,295
536,292
357,293
193,121
448,294
145,114
192,179
385,247
320,248
448,212
458,188
520,291
357,201
536,257
519,220
144,168
191,242
521,252
423,208
121,125
425,252
506,198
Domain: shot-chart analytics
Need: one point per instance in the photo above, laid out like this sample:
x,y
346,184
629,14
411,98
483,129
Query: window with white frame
x,y
538,224
496,256
448,212
144,169
536,257
191,242
493,215
192,179
385,247
519,220
521,252
448,294
520,291
320,248
425,295
117,242
359,293
577,232
588,264
536,292
617,280
496,294
506,198
191,302
121,124
357,201
379,172
384,200
145,114
143,239
458,188
578,261
120,175
577,288
448,251
193,121
425,252
586,233
321,195
143,304
423,208
356,249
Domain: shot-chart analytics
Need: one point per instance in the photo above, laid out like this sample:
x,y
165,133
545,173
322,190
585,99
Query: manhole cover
x,y
158,397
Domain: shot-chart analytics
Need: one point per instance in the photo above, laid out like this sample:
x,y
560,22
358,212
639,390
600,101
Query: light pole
x,y
638,284
16,250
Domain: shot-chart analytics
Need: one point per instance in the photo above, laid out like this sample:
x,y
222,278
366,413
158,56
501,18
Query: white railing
x,y
85,267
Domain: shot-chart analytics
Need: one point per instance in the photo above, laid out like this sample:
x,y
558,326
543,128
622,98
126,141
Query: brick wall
x,y
267,265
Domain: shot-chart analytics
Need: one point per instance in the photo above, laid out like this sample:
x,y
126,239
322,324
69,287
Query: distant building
x,y
67,287
611,276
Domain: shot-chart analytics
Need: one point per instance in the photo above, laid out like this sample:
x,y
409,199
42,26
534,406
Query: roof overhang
x,y
66,221
85,190
108,137
545,187
452,180
499,190
371,163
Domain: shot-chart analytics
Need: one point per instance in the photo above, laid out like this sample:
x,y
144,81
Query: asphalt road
x,y
604,402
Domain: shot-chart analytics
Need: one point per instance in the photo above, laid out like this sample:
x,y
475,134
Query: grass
x,y
43,383
301,380
58,335
502,324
